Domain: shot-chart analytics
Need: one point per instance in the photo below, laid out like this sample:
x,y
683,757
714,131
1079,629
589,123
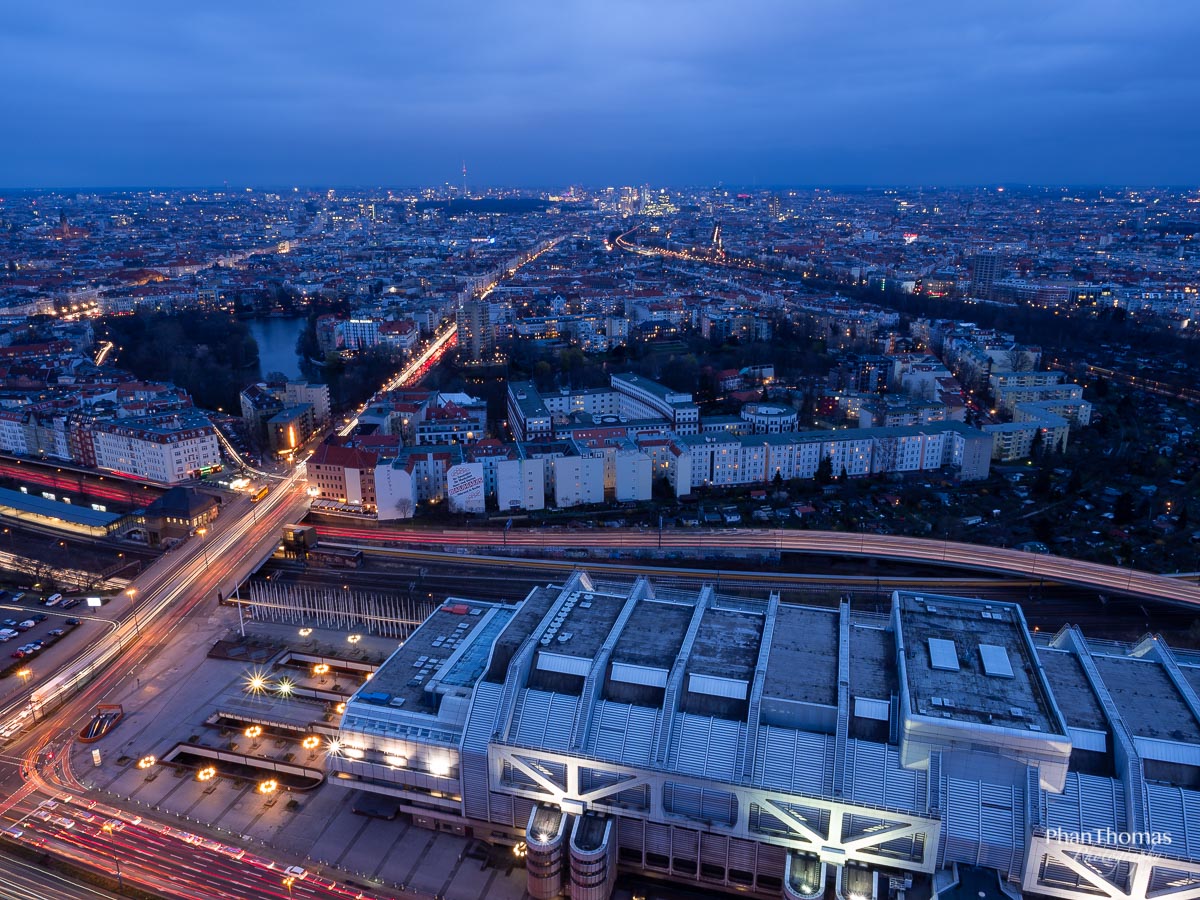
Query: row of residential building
x,y
388,481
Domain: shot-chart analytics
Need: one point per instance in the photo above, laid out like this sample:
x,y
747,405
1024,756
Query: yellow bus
x,y
259,494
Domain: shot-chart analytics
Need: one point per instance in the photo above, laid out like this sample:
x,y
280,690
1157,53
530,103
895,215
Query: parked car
x,y
57,632
26,625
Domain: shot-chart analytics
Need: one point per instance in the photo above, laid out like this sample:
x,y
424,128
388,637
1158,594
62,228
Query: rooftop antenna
x,y
464,179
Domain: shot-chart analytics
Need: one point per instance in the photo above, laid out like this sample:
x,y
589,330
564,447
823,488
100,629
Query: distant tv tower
x,y
464,179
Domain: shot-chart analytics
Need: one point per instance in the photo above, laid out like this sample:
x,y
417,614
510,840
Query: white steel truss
x,y
835,831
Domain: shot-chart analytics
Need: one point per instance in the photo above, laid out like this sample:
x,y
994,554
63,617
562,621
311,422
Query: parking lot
x,y
33,635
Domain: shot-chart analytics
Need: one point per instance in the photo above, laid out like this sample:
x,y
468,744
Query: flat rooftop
x,y
527,398
532,611
406,674
1147,699
661,391
582,624
653,634
1191,675
546,822
872,662
973,661
803,664
1074,695
589,832
727,643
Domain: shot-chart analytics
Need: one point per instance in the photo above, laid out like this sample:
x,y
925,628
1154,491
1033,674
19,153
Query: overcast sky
x,y
357,92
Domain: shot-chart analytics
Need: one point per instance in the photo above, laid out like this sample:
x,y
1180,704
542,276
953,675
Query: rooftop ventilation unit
x,y
995,661
943,655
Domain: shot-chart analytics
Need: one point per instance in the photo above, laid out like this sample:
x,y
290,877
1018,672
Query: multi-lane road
x,y
205,565
166,860
44,807
21,879
997,560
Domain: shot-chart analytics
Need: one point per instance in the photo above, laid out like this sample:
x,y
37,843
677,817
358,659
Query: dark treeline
x,y
211,355
682,364
353,381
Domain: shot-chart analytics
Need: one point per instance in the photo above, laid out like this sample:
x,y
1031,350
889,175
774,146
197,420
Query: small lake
x,y
276,340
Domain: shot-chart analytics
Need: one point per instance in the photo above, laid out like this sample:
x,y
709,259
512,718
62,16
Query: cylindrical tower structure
x,y
545,836
593,858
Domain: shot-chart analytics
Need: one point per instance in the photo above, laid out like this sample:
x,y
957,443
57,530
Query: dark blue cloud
x,y
554,91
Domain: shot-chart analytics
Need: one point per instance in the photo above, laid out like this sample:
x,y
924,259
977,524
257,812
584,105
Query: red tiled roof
x,y
343,457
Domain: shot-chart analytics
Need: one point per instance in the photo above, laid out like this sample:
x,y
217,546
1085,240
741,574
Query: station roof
x,y
56,509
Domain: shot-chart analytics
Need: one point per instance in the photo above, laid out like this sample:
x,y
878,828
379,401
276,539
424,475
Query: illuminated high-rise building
x,y
475,335
985,269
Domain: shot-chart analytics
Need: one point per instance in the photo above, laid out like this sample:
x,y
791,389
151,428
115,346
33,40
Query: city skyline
x,y
852,94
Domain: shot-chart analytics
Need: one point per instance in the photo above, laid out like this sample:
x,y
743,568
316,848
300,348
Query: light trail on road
x,y
952,554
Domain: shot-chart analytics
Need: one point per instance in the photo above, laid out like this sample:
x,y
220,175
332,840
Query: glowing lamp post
x,y
131,593
108,829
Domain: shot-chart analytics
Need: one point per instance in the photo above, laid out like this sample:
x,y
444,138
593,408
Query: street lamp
x,y
131,593
200,533
108,829
25,673
288,882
